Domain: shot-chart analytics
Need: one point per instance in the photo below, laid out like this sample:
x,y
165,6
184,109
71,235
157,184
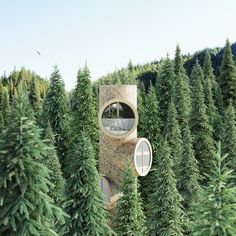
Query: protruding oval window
x,y
105,187
143,157
118,119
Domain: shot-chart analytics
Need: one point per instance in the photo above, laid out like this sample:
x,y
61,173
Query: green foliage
x,y
34,95
83,107
173,135
141,105
2,124
227,79
229,136
26,208
130,217
165,215
51,161
188,184
212,98
215,212
200,127
84,198
5,105
55,111
181,91
164,89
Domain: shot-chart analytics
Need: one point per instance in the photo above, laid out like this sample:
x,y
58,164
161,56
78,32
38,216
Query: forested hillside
x,y
49,151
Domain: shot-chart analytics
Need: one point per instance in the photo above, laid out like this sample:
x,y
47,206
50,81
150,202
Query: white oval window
x,y
106,191
118,118
143,157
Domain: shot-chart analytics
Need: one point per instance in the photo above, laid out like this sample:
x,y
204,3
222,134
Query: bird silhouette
x,y
38,53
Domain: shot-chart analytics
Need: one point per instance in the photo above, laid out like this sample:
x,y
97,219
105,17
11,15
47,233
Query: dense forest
x,y
49,151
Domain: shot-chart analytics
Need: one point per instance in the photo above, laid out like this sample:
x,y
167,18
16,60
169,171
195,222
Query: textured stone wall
x,y
114,154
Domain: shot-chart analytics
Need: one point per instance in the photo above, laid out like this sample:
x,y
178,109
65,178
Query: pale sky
x,y
107,33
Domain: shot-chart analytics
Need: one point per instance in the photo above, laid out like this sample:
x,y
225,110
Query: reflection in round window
x,y
118,118
143,158
105,187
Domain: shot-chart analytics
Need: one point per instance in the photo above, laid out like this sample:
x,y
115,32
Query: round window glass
x,y
118,118
105,187
143,158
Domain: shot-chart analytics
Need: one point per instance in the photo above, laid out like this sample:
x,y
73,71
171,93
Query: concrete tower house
x,y
118,141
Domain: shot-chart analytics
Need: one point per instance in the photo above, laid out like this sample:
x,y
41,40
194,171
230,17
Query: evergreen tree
x,y
164,89
200,127
151,131
5,105
141,106
174,137
228,76
51,161
2,125
181,91
212,97
55,111
215,212
84,198
34,95
188,184
229,136
130,217
25,207
165,215
84,107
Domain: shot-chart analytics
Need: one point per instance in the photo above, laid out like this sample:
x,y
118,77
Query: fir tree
x,y
165,215
55,111
228,76
188,184
34,95
200,127
25,207
84,107
130,217
181,91
174,137
5,105
51,161
215,212
229,136
151,131
83,195
141,105
164,89
212,97
2,125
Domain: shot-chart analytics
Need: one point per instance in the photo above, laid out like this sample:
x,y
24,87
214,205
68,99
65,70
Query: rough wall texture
x,y
114,154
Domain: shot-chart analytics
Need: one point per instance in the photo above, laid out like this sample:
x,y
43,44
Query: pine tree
x,y
212,97
55,111
51,161
83,195
34,95
200,127
84,108
130,217
181,91
164,89
165,215
25,207
174,137
151,131
188,184
229,136
5,105
215,212
2,125
227,79
141,105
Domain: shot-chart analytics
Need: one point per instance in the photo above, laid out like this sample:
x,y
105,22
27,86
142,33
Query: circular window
x,y
118,119
143,157
105,187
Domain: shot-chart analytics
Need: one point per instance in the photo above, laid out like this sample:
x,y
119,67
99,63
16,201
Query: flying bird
x,y
38,53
